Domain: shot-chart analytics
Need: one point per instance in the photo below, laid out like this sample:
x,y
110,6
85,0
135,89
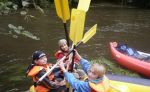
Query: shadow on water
x,y
127,25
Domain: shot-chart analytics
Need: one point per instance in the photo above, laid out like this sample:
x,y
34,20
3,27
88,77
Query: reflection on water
x,y
127,25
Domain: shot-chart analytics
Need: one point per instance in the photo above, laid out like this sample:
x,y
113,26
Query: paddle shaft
x,y
72,63
50,70
64,22
66,33
62,10
74,47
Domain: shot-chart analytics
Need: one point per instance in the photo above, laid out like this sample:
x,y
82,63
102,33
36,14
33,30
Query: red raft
x,y
140,66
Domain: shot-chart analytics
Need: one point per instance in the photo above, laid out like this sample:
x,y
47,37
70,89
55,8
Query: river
x,y
125,25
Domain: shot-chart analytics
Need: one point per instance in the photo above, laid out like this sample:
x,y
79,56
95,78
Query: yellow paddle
x,y
77,25
84,5
89,33
86,37
32,89
62,9
76,28
117,89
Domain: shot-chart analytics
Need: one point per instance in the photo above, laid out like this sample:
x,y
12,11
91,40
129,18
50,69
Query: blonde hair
x,y
98,69
62,41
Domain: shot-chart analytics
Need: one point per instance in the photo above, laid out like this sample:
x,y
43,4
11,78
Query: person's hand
x,y
56,83
62,83
68,65
62,66
77,55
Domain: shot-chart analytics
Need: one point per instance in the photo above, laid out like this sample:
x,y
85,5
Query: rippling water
x,y
125,25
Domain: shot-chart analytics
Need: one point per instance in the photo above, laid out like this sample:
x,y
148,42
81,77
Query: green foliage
x,y
114,68
24,12
7,7
3,0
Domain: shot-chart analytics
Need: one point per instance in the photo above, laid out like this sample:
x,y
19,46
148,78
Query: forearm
x,y
85,65
70,79
46,80
51,84
79,86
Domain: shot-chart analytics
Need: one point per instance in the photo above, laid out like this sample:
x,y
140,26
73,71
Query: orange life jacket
x,y
59,54
102,86
35,70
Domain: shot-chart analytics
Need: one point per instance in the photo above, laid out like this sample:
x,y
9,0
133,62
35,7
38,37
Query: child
x,y
64,49
97,82
38,68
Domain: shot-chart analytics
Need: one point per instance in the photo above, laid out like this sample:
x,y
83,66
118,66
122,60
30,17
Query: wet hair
x,y
98,69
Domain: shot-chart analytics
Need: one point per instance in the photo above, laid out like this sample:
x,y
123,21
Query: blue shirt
x,y
77,85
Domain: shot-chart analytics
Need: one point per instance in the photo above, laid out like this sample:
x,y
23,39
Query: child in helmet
x,y
38,68
63,51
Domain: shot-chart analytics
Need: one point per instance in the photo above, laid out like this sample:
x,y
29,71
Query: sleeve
x,y
85,65
46,80
58,55
79,86
76,60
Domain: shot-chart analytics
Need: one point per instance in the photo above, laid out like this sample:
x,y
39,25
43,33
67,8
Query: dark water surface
x,y
128,25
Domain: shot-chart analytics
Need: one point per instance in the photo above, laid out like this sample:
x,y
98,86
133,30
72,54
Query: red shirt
x,y
59,54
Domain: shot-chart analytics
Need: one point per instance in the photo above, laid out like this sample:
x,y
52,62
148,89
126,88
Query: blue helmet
x,y
38,54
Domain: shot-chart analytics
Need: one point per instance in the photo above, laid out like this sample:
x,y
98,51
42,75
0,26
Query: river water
x,y
125,25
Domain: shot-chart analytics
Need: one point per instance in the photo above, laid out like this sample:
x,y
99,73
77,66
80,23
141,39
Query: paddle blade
x,y
32,89
89,34
84,5
77,25
62,9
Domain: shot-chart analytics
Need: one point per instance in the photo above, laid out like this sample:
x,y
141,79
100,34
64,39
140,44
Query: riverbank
x,y
114,68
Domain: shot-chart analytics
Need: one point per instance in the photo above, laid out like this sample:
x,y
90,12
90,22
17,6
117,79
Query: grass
x,y
114,68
